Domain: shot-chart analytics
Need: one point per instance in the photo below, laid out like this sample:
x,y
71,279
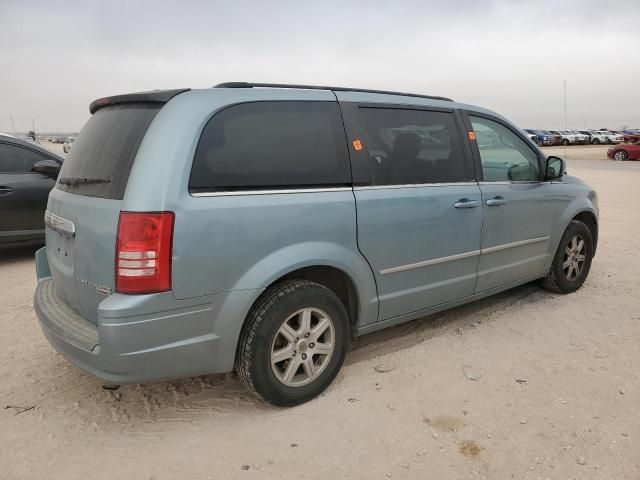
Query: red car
x,y
627,137
624,151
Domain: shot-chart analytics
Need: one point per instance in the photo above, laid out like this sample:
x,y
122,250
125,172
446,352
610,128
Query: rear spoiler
x,y
155,96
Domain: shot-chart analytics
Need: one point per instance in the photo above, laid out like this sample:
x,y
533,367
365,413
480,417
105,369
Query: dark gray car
x,y
27,175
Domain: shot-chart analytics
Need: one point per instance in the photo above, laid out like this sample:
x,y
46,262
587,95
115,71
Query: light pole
x,y
564,82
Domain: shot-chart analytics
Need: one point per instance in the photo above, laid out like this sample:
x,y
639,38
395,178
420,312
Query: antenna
x,y
13,127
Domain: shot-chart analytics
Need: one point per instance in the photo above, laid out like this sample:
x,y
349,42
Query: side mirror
x,y
555,168
50,168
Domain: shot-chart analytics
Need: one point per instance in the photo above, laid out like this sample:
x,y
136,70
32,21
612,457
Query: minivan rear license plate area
x,y
60,249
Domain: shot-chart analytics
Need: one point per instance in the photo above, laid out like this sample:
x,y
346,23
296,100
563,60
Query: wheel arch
x,y
337,267
336,279
591,221
582,209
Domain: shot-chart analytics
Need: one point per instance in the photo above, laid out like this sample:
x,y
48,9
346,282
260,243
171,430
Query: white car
x,y
595,137
532,136
581,137
67,144
612,137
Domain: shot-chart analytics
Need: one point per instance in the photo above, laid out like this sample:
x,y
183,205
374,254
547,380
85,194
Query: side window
x,y
266,145
14,159
412,146
504,155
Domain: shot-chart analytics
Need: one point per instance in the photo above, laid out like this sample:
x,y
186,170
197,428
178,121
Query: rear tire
x,y
596,141
294,342
572,261
565,142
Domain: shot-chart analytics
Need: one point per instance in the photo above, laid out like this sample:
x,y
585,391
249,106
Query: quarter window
x,y
504,155
272,145
412,146
14,159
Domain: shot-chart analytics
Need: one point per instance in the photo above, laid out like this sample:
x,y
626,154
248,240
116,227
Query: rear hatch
x,y
83,209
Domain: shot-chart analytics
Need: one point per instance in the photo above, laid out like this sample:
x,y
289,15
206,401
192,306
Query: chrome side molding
x,y
428,263
519,243
460,256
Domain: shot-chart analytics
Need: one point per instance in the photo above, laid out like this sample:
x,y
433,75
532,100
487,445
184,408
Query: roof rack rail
x,y
319,87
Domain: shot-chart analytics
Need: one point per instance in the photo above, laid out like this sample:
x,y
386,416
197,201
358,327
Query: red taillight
x,y
143,252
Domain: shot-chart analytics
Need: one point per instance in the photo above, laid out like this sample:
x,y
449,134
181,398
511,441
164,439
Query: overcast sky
x,y
509,56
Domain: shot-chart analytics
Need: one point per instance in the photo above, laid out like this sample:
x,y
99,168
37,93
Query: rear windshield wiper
x,y
72,181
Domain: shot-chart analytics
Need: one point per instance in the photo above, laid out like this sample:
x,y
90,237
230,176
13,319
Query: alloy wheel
x,y
620,155
574,258
302,347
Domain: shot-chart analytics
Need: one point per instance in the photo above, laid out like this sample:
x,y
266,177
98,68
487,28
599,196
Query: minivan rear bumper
x,y
144,338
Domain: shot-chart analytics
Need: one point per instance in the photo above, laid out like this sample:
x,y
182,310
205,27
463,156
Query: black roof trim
x,y
154,96
318,87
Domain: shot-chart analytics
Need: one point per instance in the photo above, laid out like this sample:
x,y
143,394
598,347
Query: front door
x,y
519,208
23,193
419,213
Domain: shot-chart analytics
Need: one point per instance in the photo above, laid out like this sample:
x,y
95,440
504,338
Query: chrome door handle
x,y
496,201
6,191
466,203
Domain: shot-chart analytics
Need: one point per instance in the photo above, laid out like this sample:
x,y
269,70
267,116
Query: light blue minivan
x,y
260,227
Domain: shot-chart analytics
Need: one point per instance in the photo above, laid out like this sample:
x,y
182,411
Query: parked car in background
x,y
544,139
567,138
533,137
625,151
586,133
613,138
557,138
68,143
595,137
27,175
581,138
632,136
600,136
165,250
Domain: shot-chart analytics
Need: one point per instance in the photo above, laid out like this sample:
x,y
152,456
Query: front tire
x,y
620,155
596,141
572,261
565,142
294,342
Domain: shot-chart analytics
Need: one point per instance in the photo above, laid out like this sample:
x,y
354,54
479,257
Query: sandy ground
x,y
558,393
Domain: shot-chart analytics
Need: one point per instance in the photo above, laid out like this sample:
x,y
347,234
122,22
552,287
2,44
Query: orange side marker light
x,y
472,135
357,145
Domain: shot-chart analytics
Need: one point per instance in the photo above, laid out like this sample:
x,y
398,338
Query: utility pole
x,y
564,84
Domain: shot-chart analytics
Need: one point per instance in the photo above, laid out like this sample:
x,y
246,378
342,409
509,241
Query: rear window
x,y
268,145
100,161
